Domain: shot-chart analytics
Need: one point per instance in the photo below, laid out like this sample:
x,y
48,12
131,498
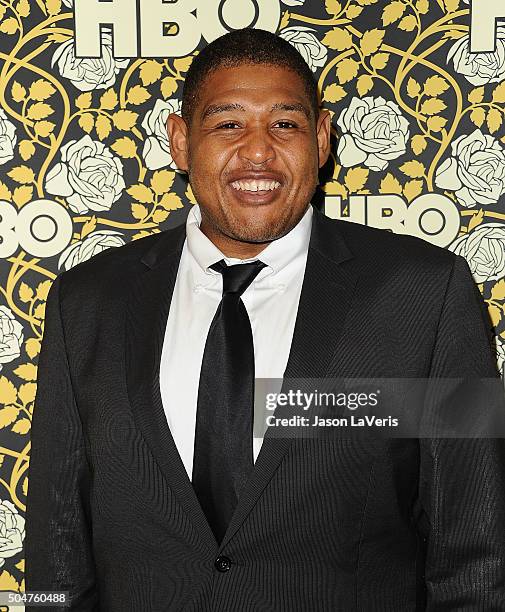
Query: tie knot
x,y
238,277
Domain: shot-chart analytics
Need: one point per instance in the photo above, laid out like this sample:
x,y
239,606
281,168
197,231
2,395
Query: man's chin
x,y
258,234
255,239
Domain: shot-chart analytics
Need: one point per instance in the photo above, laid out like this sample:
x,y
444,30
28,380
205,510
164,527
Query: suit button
x,y
222,564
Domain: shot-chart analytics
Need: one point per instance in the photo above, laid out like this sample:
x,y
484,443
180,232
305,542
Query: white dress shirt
x,y
271,301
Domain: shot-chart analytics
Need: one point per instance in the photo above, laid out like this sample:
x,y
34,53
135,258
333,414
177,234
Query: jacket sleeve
x,y
58,549
462,481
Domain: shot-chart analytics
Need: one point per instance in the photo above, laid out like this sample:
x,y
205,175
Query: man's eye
x,y
285,124
227,126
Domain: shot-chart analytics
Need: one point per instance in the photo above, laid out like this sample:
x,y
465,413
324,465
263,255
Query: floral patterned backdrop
x,y
86,165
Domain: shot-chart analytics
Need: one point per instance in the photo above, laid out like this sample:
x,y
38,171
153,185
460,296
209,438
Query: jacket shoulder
x,y
109,269
382,247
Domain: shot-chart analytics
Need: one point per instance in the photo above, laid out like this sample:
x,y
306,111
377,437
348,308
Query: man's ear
x,y
323,136
178,139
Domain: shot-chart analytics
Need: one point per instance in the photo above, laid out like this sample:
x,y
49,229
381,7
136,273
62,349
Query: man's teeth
x,y
255,185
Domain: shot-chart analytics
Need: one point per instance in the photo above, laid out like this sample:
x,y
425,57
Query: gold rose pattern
x,y
413,112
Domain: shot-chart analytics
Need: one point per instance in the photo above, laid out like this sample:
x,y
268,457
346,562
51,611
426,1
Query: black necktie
x,y
223,455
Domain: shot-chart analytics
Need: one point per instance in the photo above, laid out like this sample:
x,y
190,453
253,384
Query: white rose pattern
x,y
479,68
475,171
307,44
89,176
12,531
374,132
484,250
156,152
88,74
92,244
11,336
8,138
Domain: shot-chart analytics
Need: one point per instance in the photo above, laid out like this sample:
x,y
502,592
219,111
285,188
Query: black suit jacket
x,y
324,525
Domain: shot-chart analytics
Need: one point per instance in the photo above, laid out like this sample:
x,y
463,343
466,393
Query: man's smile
x,y
255,187
255,192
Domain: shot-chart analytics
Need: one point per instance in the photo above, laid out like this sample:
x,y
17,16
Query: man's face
x,y
252,152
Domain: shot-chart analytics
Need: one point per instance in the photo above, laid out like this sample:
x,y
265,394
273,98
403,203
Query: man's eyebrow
x,y
295,106
213,109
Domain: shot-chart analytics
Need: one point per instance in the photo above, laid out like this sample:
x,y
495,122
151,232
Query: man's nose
x,y
256,146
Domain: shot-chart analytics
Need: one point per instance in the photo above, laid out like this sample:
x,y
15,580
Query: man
x,y
146,490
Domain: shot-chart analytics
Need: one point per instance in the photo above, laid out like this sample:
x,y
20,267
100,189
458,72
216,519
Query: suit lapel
x,y
147,311
327,290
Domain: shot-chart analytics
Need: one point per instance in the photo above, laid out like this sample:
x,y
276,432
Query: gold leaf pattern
x,y
392,12
347,70
371,41
390,184
355,179
337,38
334,93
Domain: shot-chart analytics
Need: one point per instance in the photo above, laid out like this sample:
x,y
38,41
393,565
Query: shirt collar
x,y
276,255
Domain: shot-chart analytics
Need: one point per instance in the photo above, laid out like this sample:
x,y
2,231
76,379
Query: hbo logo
x,y
42,228
431,216
139,25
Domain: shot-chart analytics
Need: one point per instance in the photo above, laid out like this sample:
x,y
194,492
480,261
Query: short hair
x,y
246,46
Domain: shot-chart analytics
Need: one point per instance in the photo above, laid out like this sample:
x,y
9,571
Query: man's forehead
x,y
253,87
251,80
254,71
